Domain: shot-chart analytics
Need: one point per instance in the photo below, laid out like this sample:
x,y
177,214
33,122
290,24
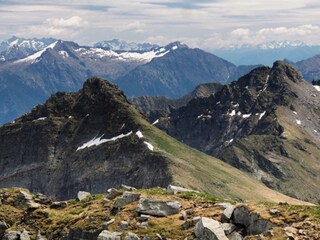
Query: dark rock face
x,y
42,150
309,68
246,124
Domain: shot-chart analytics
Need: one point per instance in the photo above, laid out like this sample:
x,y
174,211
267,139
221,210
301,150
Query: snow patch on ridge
x,y
32,58
149,145
98,141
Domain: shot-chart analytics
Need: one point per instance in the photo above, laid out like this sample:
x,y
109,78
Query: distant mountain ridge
x,y
28,79
267,53
119,45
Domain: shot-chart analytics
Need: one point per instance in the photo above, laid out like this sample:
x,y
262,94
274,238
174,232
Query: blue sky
x,y
201,23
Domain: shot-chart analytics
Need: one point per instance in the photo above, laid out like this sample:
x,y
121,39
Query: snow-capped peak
x,y
32,58
119,45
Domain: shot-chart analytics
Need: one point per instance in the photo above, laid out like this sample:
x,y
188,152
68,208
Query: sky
x,y
199,23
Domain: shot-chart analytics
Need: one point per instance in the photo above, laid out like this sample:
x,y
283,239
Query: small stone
x,y
40,237
12,235
59,205
274,212
131,236
105,201
144,218
183,216
144,224
176,189
106,235
33,205
128,188
124,225
43,199
83,195
24,235
105,225
186,225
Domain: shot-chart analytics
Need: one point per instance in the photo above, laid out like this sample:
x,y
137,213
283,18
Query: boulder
x,y
83,195
241,216
235,236
113,193
124,225
158,208
209,229
228,211
228,228
106,235
131,236
17,235
43,199
3,227
12,235
127,198
24,235
105,225
258,225
40,237
176,189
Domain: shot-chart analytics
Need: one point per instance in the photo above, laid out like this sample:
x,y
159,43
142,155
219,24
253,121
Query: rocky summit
x,y
95,139
151,214
266,123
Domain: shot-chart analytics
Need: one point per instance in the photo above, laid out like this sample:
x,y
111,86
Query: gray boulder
x,y
83,195
24,235
131,236
106,235
3,227
158,208
235,236
228,228
176,189
241,216
127,198
258,225
128,188
12,235
113,193
209,229
16,235
228,211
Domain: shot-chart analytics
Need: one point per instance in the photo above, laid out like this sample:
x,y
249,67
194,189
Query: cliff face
x,y
266,123
85,140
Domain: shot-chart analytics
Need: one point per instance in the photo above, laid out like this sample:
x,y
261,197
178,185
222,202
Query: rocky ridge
x,y
95,139
151,214
266,123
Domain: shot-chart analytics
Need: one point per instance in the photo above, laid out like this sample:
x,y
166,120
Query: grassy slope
x,y
197,170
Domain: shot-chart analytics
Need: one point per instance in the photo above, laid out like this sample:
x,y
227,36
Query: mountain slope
x,y
266,123
177,73
60,66
94,139
309,68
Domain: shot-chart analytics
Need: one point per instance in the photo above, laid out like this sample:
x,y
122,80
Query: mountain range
x,y
267,53
63,66
94,139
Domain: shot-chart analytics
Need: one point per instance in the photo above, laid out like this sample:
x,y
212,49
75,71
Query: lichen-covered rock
x,y
131,236
158,208
127,198
209,229
83,195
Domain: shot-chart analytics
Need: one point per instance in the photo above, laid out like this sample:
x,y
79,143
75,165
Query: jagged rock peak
x,y
280,68
97,85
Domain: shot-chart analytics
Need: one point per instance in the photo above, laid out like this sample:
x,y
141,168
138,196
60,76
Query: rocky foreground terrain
x,y
157,213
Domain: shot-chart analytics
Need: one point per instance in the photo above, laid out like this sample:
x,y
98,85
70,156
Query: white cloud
x,y
135,26
58,27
